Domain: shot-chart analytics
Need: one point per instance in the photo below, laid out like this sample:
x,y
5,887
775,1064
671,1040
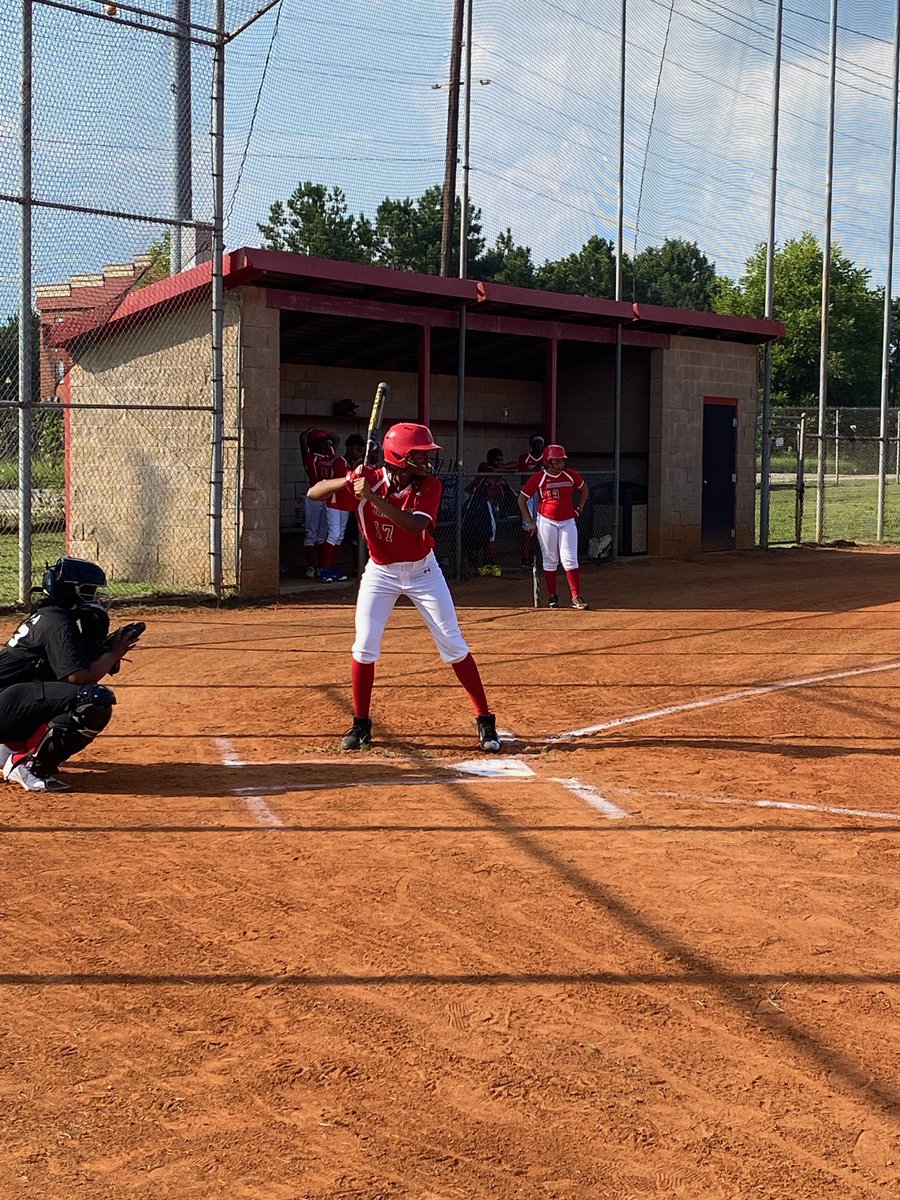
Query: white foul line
x,y
746,694
592,797
255,805
790,804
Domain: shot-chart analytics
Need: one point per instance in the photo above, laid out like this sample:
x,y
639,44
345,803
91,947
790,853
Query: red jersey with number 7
x,y
387,542
556,493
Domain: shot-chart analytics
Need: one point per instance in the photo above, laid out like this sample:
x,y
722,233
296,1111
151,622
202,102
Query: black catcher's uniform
x,y
44,719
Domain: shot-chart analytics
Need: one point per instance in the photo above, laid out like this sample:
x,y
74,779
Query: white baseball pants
x,y
559,542
337,524
424,583
316,522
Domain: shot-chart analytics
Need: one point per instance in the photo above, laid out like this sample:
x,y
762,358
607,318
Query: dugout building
x,y
306,341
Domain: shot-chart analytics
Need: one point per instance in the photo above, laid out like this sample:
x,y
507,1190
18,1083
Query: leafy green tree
x,y
9,380
590,272
855,324
506,262
408,233
677,274
316,220
160,266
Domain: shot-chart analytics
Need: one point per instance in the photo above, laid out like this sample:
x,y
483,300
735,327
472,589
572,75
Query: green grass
x,y
44,473
849,513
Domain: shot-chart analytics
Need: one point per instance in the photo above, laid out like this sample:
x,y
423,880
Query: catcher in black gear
x,y
52,703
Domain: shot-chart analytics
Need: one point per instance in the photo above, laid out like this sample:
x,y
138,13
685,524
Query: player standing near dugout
x,y
318,456
397,509
52,704
529,462
561,496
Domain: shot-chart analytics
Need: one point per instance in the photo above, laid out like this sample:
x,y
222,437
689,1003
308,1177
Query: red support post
x,y
423,409
550,389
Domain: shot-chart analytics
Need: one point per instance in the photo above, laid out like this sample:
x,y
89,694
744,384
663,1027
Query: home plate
x,y
496,768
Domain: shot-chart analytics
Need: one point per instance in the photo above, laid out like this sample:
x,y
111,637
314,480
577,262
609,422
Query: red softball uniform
x,y
318,467
528,463
556,493
387,542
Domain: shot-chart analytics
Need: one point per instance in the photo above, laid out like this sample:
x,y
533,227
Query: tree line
x,y
406,235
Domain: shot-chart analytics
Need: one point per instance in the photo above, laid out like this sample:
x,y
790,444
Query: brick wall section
x,y
261,483
680,378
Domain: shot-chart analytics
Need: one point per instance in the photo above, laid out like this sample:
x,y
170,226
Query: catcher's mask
x,y
404,439
71,582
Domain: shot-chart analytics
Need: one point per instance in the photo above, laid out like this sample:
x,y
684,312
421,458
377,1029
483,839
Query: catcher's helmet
x,y
554,451
73,581
403,439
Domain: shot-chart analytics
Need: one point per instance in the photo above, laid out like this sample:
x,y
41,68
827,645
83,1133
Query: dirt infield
x,y
658,958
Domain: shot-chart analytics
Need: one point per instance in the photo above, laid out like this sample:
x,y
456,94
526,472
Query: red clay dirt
x,y
238,966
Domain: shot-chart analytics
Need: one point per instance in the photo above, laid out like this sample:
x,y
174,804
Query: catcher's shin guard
x,y
70,732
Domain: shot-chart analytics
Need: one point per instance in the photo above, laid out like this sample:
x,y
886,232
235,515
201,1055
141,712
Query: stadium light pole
x,y
826,276
888,285
451,150
766,458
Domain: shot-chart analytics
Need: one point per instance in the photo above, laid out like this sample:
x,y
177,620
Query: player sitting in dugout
x,y
52,703
397,509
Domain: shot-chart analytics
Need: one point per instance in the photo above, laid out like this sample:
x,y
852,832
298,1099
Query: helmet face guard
x,y
404,439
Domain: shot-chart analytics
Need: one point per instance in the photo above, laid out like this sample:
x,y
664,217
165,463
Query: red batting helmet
x,y
403,439
317,435
554,451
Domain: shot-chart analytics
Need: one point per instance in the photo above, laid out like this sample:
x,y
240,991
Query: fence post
x,y
26,328
898,445
837,446
801,479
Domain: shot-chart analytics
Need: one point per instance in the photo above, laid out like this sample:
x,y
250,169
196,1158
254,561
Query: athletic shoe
x,y
359,736
5,756
553,602
338,576
56,785
310,572
485,571
18,771
487,732
579,602
496,571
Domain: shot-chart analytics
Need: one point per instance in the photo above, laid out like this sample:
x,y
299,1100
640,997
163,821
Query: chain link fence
x,y
852,462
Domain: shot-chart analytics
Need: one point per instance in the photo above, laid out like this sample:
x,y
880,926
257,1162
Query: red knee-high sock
x,y
327,554
362,676
574,578
468,676
550,579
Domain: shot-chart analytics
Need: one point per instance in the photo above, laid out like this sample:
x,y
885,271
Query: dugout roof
x,y
365,316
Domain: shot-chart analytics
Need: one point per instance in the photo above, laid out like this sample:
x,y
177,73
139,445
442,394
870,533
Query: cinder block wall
x,y
680,378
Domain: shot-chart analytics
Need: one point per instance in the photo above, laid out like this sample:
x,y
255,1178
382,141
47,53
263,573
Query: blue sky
x,y
348,98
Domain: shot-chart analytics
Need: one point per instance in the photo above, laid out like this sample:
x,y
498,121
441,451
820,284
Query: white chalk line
x,y
254,803
712,701
592,797
742,801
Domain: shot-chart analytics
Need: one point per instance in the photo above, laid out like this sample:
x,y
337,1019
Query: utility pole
x,y
452,150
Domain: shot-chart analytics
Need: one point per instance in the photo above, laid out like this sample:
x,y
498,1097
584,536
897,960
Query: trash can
x,y
632,518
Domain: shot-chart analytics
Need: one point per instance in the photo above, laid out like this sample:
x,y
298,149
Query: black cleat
x,y
553,602
487,733
53,784
359,736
